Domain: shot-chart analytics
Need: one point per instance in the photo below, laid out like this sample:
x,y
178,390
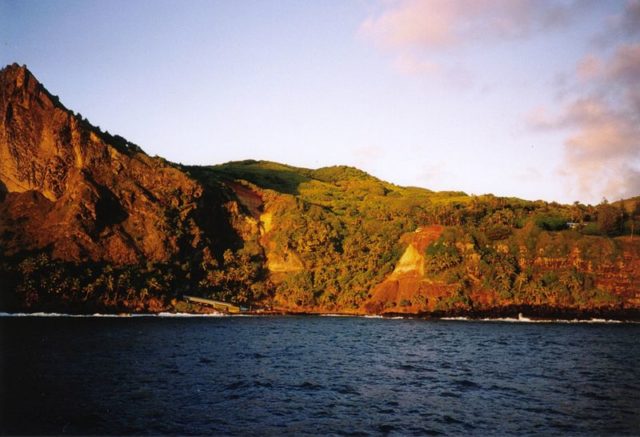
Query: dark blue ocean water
x,y
316,375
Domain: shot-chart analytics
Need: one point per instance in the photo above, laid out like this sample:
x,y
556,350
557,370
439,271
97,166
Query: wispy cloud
x,y
416,30
598,101
602,118
411,65
434,24
621,26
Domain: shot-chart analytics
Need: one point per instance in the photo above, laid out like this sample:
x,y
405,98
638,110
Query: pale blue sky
x,y
316,83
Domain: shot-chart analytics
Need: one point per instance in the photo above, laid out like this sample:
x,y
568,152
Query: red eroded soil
x,y
423,236
248,198
409,292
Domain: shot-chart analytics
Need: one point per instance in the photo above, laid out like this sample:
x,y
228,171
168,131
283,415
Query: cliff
x,y
82,196
89,222
86,194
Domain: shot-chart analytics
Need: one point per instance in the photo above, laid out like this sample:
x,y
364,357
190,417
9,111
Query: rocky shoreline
x,y
523,313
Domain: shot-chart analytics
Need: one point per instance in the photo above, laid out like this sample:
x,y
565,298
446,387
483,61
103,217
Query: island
x,y
90,223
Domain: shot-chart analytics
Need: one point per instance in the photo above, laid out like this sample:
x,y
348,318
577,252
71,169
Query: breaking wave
x,y
520,319
529,320
123,315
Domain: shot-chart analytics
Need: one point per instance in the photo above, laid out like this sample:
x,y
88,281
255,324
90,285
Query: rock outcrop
x,y
88,195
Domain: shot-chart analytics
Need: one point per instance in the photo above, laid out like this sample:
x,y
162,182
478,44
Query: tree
x,y
634,215
577,212
609,219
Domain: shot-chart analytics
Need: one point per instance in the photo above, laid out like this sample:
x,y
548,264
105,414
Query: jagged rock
x,y
86,194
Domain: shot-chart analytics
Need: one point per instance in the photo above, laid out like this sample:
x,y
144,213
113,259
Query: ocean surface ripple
x,y
316,376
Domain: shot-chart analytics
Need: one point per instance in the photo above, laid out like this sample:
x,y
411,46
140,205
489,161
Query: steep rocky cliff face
x,y
88,195
88,220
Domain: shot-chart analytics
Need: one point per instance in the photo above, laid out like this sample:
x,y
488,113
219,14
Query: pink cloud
x,y
437,24
625,67
409,64
630,20
621,26
589,68
416,32
602,148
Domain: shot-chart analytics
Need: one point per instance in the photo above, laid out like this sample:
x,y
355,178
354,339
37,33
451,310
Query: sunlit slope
x,y
339,239
89,222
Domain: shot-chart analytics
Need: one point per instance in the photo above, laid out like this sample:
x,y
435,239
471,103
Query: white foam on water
x,y
166,314
520,319
100,315
43,314
528,320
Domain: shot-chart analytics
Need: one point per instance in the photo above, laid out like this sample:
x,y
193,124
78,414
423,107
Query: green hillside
x,y
346,227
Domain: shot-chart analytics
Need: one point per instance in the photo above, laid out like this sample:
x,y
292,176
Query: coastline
x,y
515,314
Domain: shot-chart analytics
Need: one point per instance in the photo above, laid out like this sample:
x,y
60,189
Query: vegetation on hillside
x,y
345,226
89,222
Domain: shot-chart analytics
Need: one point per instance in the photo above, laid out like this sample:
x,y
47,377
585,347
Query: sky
x,y
535,99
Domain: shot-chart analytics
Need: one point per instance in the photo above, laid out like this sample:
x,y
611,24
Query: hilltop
x,y
89,222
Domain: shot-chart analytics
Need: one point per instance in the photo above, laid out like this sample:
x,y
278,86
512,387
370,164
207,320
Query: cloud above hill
x,y
597,103
417,31
437,24
602,120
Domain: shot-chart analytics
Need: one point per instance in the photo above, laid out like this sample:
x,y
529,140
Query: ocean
x,y
310,375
